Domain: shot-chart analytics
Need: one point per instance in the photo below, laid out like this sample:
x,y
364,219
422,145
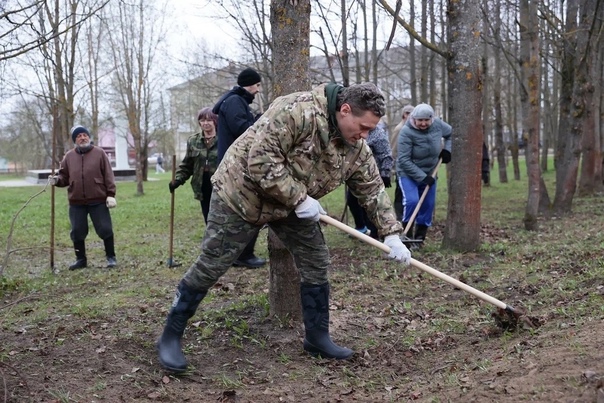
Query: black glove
x,y
445,156
428,180
386,180
173,185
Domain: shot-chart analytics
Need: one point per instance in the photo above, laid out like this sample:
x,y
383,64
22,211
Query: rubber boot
x,y
169,346
80,252
110,252
420,233
315,312
247,258
409,234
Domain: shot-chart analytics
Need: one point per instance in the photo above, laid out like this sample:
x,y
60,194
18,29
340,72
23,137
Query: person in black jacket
x,y
486,165
234,118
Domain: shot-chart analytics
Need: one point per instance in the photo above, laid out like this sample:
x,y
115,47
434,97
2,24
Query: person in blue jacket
x,y
423,140
234,118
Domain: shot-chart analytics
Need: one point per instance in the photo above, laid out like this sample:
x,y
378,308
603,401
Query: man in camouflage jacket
x,y
303,147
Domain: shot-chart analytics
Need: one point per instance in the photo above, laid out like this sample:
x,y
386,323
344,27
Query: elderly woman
x,y
200,161
420,146
398,192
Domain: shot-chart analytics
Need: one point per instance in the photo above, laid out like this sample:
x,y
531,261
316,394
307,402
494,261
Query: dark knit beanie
x,y
77,130
248,77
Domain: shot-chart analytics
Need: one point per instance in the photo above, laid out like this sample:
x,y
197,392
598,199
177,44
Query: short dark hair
x,y
207,114
361,98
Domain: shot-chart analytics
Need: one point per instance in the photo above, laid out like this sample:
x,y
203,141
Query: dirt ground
x,y
416,339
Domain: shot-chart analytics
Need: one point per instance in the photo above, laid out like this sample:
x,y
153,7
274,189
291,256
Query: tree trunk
x,y
423,55
589,151
412,58
499,141
463,214
344,50
529,103
568,148
290,27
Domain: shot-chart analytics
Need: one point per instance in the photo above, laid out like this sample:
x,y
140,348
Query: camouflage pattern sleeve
x,y
185,168
284,143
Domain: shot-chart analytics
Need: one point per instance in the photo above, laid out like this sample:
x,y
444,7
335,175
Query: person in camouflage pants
x,y
303,147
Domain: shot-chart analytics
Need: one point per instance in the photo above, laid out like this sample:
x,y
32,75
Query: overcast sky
x,y
195,20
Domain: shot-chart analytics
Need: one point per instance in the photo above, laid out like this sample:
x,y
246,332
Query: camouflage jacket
x,y
291,152
198,158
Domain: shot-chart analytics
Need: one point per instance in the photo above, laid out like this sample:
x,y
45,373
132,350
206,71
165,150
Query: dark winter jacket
x,y
87,175
378,142
234,117
418,150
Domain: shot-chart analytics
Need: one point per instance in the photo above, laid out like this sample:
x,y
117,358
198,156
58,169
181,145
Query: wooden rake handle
x,y
485,297
421,199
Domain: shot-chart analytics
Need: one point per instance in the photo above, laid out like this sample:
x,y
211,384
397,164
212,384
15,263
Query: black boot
x,y
315,311
184,306
110,252
409,234
80,252
247,258
420,232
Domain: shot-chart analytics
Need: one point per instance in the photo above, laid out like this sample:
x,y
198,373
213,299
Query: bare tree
x,y
569,134
590,36
24,136
464,100
20,33
497,95
252,22
95,67
134,45
530,105
465,106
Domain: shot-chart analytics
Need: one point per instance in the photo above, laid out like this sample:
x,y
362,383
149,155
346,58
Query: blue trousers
x,y
412,192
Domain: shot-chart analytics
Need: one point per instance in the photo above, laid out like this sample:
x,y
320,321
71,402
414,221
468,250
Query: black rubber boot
x,y
80,252
420,233
110,252
409,234
315,311
169,346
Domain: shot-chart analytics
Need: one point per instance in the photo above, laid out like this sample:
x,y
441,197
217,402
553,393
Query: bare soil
x,y
415,337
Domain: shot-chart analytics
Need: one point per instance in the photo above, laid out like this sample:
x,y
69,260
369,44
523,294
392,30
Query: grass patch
x,y
415,336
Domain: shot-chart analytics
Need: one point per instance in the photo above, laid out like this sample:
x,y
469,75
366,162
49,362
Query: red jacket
x,y
88,175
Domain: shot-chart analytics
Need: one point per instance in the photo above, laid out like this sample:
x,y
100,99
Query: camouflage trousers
x,y
227,234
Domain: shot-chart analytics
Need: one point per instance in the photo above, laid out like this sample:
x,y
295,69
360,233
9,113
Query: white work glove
x,y
53,179
111,202
310,209
398,251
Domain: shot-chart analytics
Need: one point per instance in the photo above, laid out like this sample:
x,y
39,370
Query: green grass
x,y
386,310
